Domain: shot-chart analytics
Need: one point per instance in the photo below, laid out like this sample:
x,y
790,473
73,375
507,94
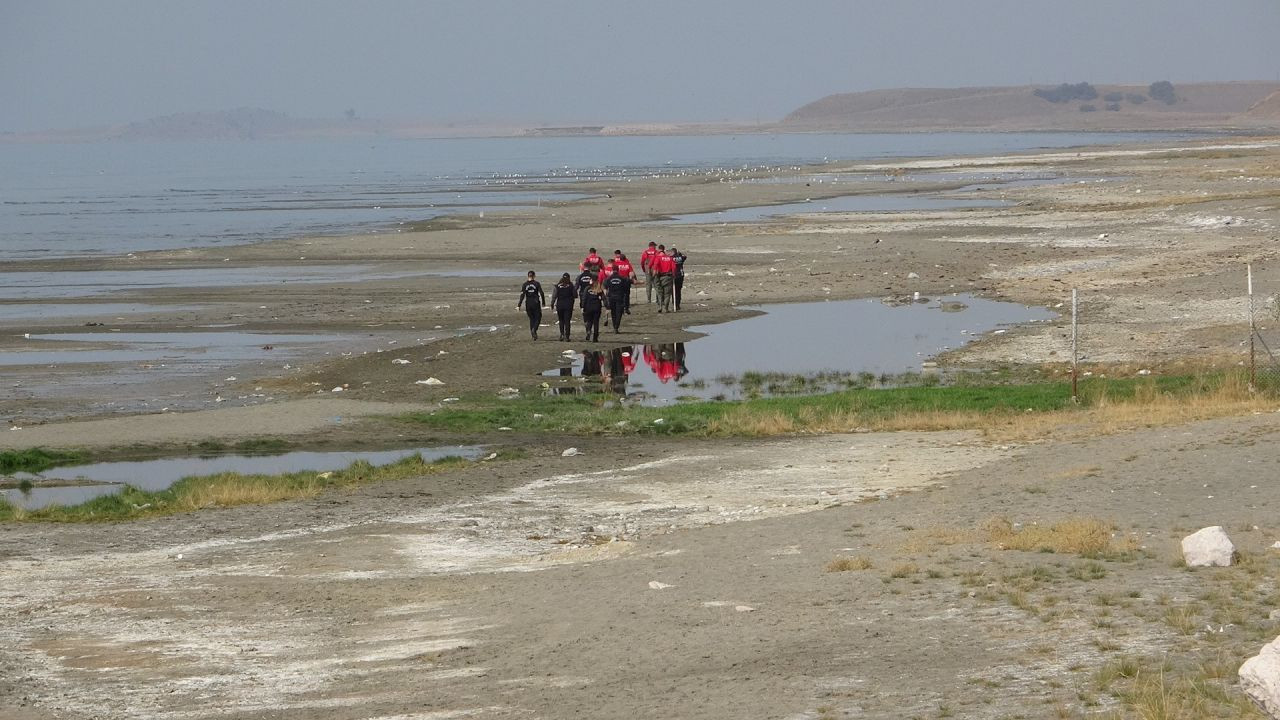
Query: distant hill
x,y
1267,109
1068,107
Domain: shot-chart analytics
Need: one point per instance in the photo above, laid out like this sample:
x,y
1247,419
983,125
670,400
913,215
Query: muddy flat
x,y
673,577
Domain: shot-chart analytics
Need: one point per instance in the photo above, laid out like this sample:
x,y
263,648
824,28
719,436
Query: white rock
x,y
451,399
655,585
429,381
1208,547
571,452
504,428
744,608
1260,678
400,361
337,389
659,421
912,276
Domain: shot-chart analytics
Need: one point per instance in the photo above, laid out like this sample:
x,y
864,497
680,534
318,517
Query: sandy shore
x,y
678,578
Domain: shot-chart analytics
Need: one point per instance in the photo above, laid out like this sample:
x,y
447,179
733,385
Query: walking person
x,y
592,304
562,299
628,271
616,288
592,262
532,298
677,284
664,269
646,267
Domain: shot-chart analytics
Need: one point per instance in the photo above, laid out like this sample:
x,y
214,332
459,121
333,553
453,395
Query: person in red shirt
x,y
664,270
623,267
592,262
646,262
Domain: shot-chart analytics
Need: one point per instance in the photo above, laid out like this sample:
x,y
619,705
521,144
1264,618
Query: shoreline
x,y
732,265
867,574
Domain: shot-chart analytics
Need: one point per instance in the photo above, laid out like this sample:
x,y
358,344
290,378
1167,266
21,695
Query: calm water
x,y
160,474
846,336
113,198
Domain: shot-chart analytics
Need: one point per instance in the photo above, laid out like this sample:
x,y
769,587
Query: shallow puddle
x,y
47,311
159,474
45,285
793,348
848,203
201,348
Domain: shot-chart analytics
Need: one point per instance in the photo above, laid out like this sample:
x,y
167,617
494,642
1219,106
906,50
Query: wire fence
x,y
1264,338
1262,315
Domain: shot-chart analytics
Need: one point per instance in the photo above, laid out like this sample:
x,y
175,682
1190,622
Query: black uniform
x,y
678,285
532,297
562,298
584,283
591,307
617,287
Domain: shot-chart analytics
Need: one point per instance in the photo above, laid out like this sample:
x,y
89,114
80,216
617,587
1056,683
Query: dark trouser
x,y
649,279
592,319
679,285
616,309
564,316
535,317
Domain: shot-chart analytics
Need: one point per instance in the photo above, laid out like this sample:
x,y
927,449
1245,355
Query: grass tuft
x,y
845,563
1084,536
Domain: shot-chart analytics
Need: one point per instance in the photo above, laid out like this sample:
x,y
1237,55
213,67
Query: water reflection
x,y
615,366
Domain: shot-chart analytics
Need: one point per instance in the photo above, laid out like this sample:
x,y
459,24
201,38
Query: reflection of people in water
x,y
591,362
614,371
666,361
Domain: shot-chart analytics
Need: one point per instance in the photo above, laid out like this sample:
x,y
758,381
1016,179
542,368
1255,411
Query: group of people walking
x,y
604,286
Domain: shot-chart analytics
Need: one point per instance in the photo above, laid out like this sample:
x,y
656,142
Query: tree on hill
x,y
1066,92
1163,91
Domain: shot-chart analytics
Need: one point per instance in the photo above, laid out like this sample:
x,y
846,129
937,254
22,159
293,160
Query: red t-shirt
x,y
664,264
591,260
647,257
623,268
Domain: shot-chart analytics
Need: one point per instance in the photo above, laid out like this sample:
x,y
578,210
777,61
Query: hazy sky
x,y
73,63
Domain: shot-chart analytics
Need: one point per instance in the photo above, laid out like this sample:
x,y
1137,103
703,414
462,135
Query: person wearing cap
x,y
592,305
562,298
532,298
628,271
646,267
677,284
616,287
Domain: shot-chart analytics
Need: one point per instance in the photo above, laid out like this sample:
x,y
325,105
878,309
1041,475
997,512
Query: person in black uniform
x,y
562,298
592,304
617,287
678,284
584,282
532,298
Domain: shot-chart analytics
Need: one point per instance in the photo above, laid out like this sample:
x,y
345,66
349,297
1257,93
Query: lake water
x,y
109,477
114,198
836,338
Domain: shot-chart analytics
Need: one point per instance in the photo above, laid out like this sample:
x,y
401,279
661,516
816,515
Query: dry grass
x,y
845,563
1084,536
1103,414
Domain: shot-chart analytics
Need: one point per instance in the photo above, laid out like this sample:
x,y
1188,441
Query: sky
x,y
76,63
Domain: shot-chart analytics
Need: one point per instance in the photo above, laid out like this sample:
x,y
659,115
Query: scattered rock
x,y
401,361
337,389
1260,678
744,608
655,585
429,381
571,452
1209,547
912,276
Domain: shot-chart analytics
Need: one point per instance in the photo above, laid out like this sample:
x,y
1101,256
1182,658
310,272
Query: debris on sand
x,y
429,381
571,452
655,585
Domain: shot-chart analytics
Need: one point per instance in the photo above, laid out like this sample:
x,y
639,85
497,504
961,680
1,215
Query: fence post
x,y
1075,375
1253,332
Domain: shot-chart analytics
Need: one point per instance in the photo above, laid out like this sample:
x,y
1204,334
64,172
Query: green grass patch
x,y
33,460
969,404
228,490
